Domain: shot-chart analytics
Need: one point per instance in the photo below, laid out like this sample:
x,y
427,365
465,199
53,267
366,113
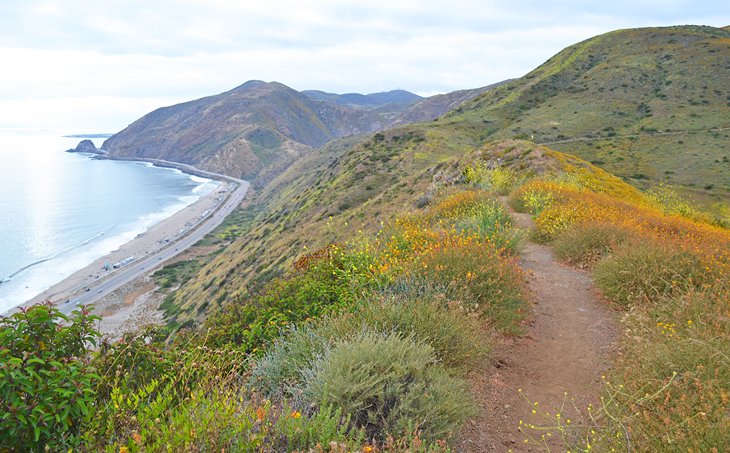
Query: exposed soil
x,y
567,346
132,306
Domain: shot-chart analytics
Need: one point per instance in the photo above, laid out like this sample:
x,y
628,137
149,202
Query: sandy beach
x,y
130,304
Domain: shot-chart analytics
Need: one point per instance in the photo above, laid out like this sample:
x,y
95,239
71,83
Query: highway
x,y
125,274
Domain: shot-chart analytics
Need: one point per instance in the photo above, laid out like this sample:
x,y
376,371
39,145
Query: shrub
x,y
477,277
389,385
640,272
46,381
585,244
296,432
533,198
498,179
326,281
457,339
145,380
671,203
279,371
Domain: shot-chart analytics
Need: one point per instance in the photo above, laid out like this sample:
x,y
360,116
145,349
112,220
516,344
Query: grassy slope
x,y
645,104
353,184
325,197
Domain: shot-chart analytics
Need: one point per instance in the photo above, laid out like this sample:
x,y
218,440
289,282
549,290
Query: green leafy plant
x,y
458,340
492,222
47,385
325,282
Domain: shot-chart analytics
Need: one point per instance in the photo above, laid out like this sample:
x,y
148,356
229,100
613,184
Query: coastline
x,y
93,285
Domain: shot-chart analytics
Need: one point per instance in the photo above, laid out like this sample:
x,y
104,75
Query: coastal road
x,y
137,268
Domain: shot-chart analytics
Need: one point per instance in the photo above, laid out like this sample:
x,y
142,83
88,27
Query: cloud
x,y
175,50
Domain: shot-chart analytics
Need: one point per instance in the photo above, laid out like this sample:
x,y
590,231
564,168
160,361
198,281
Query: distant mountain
x,y
435,106
241,132
367,101
258,129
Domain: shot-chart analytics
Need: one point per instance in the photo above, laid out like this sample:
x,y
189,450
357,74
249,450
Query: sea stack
x,y
85,146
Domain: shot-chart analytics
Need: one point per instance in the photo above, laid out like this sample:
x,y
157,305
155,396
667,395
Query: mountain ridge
x,y
367,101
258,128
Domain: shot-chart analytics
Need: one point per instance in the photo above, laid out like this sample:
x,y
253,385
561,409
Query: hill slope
x,y
240,132
354,184
645,104
435,106
258,129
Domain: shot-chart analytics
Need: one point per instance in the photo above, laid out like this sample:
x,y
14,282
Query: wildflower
x,y
296,414
260,414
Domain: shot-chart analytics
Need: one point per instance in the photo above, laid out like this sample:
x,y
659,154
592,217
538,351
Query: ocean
x,y
61,211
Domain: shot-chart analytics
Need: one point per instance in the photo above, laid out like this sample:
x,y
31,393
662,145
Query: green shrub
x,y
498,179
640,272
458,340
491,221
585,244
279,371
533,200
486,218
325,282
672,203
389,385
46,381
146,381
296,432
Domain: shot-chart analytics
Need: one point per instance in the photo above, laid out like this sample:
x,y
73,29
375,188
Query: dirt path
x,y
566,347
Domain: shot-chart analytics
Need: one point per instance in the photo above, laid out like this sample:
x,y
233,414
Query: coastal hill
x,y
609,99
646,104
258,129
435,106
242,131
435,286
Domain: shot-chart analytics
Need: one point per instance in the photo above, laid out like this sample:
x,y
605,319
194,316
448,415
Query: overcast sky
x,y
94,66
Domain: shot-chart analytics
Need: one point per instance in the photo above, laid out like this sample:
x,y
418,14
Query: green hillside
x,y
646,104
355,184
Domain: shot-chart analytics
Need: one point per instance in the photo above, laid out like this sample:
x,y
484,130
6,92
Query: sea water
x,y
61,211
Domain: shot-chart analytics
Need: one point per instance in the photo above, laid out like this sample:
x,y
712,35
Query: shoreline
x,y
151,249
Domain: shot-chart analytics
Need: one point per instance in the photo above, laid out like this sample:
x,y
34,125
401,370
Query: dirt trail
x,y
566,347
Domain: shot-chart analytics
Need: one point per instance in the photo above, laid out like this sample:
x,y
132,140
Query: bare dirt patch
x,y
132,306
567,346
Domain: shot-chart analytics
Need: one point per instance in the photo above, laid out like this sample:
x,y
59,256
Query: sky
x,y
96,66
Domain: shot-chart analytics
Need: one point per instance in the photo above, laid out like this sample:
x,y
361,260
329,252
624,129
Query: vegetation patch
x,y
380,332
667,265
